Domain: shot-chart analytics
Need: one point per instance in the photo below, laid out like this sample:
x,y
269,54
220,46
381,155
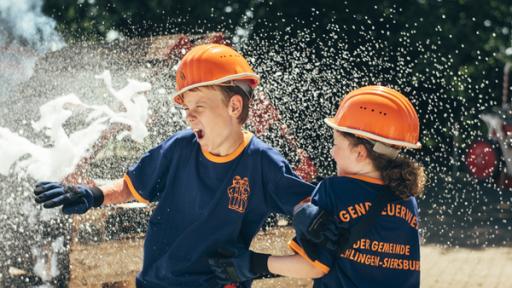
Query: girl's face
x,y
345,155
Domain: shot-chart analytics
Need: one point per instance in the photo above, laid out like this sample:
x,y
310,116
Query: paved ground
x,y
461,267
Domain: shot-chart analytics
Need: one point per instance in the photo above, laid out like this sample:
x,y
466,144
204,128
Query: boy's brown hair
x,y
229,91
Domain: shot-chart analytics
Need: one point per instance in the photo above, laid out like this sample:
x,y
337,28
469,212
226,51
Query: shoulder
x,y
267,153
359,183
329,185
411,203
345,189
179,138
183,135
257,145
340,182
178,141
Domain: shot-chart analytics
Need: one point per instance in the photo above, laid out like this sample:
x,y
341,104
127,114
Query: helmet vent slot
x,y
228,56
373,110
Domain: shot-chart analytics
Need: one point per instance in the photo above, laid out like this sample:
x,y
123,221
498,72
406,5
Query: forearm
x,y
293,266
117,192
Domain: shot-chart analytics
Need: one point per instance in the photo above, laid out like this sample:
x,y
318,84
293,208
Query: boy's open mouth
x,y
199,133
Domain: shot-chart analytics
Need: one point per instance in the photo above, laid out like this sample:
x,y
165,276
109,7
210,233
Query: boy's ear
x,y
235,106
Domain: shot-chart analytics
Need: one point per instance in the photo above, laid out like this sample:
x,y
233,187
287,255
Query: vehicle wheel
x,y
482,159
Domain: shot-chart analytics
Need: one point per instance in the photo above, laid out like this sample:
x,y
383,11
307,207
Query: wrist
x,y
97,196
259,263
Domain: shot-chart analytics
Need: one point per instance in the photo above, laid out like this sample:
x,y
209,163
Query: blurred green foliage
x,y
483,25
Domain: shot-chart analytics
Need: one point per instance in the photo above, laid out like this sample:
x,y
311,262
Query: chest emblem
x,y
238,194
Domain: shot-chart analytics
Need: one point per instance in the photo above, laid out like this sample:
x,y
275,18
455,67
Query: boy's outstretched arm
x,y
117,192
78,199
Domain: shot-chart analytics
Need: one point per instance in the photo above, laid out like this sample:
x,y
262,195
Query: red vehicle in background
x,y
491,159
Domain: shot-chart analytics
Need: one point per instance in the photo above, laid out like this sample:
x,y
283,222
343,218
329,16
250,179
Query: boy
x,y
215,183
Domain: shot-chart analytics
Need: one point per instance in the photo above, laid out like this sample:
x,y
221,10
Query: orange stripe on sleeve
x,y
134,192
297,249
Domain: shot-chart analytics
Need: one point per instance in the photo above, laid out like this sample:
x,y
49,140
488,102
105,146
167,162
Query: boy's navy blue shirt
x,y
206,202
389,253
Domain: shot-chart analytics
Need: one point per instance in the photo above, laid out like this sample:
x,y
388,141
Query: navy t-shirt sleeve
x,y
146,179
319,256
284,188
322,198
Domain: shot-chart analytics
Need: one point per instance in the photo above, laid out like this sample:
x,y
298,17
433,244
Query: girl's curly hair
x,y
403,175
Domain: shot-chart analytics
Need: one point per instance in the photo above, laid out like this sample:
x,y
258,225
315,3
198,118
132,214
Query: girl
x,y
371,126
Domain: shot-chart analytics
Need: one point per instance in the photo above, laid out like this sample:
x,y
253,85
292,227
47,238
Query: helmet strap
x,y
244,85
385,149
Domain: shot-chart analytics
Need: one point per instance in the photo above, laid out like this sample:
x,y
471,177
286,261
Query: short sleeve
x,y
315,254
284,188
322,198
319,256
146,179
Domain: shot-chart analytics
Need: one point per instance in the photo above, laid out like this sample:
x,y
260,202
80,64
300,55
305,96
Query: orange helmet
x,y
211,64
380,114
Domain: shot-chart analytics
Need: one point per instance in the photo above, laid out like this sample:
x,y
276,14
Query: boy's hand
x,y
74,199
314,224
238,266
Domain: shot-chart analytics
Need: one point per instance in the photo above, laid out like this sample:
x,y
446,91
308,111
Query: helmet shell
x,y
378,113
211,64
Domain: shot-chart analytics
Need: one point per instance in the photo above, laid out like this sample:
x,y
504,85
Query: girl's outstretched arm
x,y
293,266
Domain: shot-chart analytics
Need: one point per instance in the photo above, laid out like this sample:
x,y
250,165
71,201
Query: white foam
x,y
65,150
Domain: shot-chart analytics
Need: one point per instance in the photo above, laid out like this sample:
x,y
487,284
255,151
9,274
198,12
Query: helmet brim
x,y
177,97
331,123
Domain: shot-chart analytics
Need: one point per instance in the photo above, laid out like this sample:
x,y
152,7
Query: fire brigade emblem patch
x,y
238,194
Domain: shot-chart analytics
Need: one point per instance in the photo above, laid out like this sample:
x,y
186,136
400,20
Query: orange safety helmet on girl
x,y
380,114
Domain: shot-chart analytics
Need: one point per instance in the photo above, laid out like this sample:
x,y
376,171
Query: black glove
x,y
75,199
238,266
316,225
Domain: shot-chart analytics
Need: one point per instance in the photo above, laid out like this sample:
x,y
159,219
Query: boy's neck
x,y
229,144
